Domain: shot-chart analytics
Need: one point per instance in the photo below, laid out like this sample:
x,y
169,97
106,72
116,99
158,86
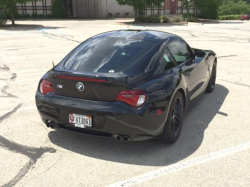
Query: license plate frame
x,y
80,121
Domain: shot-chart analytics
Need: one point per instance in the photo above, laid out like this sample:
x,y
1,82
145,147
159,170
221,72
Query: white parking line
x,y
19,110
181,166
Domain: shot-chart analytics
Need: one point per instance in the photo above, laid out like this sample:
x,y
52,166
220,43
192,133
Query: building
x,y
99,9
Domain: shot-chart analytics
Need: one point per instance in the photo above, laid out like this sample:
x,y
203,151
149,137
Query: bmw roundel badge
x,y
80,86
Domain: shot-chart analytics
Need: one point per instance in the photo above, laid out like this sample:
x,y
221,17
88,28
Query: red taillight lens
x,y
80,78
132,97
46,87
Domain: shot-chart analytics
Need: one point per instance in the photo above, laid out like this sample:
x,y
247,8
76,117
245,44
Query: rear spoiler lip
x,y
85,79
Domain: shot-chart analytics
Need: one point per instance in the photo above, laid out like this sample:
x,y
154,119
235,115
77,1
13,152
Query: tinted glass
x,y
107,54
180,51
166,60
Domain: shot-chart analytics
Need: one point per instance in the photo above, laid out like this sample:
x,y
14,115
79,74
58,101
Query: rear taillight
x,y
46,87
132,97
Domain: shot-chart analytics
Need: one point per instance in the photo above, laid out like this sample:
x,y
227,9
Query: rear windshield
x,y
107,54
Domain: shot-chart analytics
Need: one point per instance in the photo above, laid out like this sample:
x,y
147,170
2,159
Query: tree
x,y
58,10
248,1
208,7
230,7
2,17
139,4
10,5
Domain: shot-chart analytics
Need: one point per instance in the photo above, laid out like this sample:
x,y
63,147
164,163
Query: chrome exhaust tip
x,y
118,138
50,124
125,138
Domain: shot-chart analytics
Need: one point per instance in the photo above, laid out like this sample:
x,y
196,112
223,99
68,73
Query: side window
x,y
166,60
180,51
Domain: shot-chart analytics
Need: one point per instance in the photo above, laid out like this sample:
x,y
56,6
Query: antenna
x,y
53,64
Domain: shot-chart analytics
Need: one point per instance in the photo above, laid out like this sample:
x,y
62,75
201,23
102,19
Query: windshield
x,y
107,54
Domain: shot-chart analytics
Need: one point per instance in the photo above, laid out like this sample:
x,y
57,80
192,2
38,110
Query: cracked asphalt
x,y
33,155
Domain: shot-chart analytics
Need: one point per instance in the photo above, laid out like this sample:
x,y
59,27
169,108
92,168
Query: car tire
x,y
212,81
173,125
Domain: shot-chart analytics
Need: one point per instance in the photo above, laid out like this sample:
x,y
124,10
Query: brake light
x,y
132,97
46,87
80,78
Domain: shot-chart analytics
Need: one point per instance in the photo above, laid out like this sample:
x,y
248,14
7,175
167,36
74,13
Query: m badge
x,y
59,86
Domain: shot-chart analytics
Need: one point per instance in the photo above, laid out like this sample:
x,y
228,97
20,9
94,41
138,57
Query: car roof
x,y
147,35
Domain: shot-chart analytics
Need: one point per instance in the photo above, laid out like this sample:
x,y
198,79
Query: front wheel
x,y
173,124
211,83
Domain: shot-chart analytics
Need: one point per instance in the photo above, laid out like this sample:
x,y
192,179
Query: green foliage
x,y
58,10
229,17
165,19
7,12
141,18
149,19
10,6
176,19
3,18
232,7
110,14
126,14
140,3
117,14
159,19
208,8
206,13
34,15
192,17
48,16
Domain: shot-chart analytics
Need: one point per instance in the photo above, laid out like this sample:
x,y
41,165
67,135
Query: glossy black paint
x,y
111,117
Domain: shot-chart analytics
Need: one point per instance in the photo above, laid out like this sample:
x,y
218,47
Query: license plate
x,y
80,121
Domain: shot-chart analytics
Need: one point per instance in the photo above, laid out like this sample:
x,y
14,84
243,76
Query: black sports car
x,y
130,85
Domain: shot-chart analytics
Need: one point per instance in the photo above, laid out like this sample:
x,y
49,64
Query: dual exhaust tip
x,y
50,124
120,138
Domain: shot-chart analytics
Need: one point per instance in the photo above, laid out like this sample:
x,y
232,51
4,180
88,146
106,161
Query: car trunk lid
x,y
86,86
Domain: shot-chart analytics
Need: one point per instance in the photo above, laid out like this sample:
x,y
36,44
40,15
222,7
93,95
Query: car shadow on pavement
x,y
152,152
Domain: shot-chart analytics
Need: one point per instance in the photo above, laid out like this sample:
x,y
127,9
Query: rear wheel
x,y
211,84
173,124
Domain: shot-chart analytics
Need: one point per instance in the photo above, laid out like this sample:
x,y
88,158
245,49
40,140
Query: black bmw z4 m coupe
x,y
129,85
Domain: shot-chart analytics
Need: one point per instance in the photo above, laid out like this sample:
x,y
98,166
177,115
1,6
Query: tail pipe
x,y
50,124
120,138
125,138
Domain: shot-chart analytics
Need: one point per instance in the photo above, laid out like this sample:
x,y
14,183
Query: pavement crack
x,y
5,67
13,77
239,84
33,153
50,35
7,115
4,91
227,56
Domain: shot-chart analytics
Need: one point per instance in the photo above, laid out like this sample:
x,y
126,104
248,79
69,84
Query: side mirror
x,y
189,62
199,53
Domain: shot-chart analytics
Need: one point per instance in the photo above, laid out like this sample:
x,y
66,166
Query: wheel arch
x,y
183,95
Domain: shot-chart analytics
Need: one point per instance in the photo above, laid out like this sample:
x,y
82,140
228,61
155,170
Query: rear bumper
x,y
108,118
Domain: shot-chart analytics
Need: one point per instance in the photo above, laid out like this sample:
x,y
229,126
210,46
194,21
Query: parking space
x,y
33,155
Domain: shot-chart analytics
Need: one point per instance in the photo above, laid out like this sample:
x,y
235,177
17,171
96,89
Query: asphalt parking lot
x,y
214,146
